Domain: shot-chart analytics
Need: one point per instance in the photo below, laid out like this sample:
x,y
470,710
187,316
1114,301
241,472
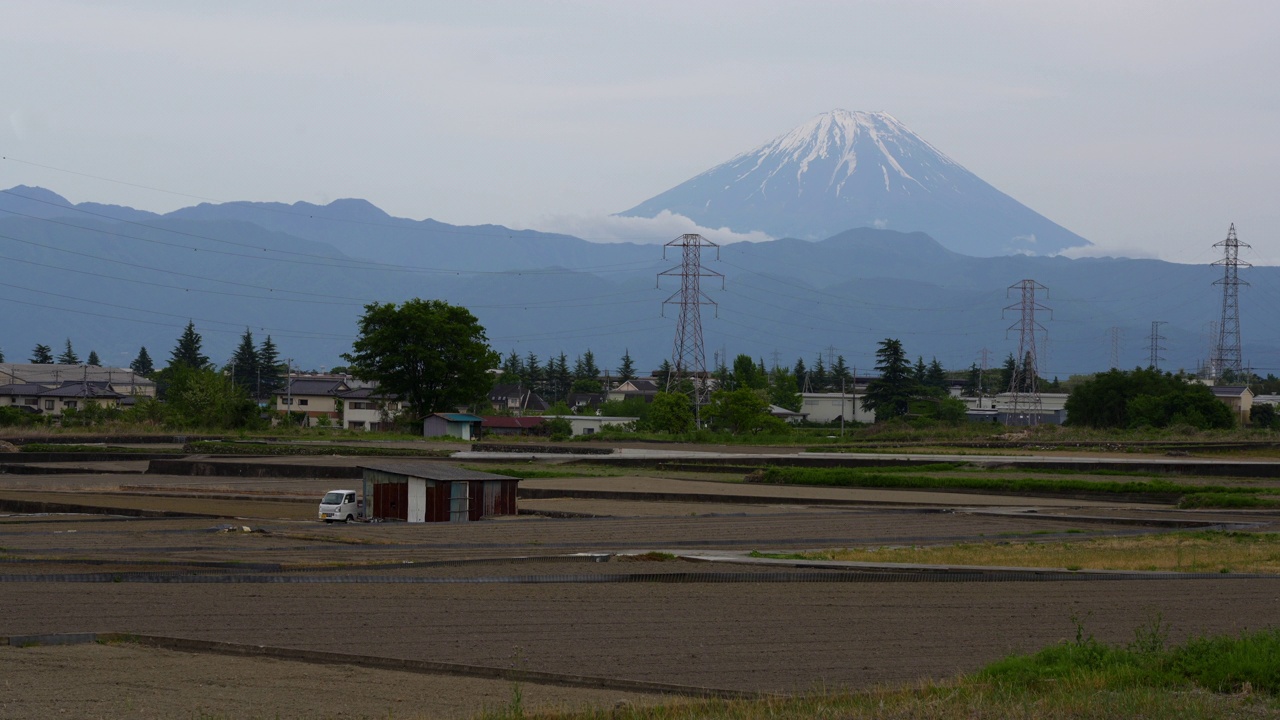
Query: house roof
x,y
22,389
458,417
1229,390
429,470
82,390
520,423
583,398
366,393
46,374
778,411
641,386
308,386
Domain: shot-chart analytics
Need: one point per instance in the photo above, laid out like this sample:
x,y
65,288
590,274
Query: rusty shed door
x,y
391,501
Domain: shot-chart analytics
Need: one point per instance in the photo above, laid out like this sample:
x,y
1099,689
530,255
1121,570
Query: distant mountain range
x,y
113,278
843,170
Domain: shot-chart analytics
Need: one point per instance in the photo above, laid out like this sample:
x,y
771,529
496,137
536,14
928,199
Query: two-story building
x,y
317,400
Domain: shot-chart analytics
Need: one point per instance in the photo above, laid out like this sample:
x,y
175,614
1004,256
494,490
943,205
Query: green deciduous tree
x,y
1145,397
741,412
1262,416
68,356
204,398
670,412
188,349
42,355
434,355
889,395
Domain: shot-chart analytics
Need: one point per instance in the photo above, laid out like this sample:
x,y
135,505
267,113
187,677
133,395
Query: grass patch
x,y
1206,551
1225,677
1227,500
895,478
208,447
647,557
60,448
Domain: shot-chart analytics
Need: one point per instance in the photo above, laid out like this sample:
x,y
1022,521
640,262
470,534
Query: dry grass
x,y
1171,552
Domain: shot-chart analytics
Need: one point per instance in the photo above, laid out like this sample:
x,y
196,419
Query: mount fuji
x,y
843,170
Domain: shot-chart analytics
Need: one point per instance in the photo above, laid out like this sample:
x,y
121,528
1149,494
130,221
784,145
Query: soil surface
x,y
553,594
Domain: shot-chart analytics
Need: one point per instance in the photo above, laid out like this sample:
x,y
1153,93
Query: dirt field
x,y
519,590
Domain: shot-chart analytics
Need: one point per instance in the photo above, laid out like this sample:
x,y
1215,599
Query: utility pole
x,y
1156,347
688,356
1025,384
1227,352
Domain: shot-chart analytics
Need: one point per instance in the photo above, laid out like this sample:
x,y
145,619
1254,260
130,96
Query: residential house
x,y
641,388
585,403
367,408
516,400
121,380
316,399
52,400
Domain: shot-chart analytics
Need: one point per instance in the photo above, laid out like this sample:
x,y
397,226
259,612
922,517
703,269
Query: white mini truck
x,y
341,505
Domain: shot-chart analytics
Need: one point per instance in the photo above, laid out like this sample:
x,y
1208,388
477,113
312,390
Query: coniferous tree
x,y
802,376
270,374
935,376
1,356
665,371
68,356
42,355
188,350
627,370
533,377
93,359
1007,373
244,367
818,379
890,394
840,376
559,377
512,370
142,364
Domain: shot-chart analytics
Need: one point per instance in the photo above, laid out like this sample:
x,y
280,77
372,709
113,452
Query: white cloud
x,y
664,228
880,223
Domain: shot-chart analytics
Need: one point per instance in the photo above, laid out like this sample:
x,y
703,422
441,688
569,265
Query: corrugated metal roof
x,y
429,470
460,417
502,421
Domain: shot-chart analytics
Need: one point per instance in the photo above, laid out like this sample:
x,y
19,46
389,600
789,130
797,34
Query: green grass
x,y
1222,677
246,448
58,448
1227,500
897,478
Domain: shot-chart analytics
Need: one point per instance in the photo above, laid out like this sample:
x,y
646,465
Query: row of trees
x,y
43,355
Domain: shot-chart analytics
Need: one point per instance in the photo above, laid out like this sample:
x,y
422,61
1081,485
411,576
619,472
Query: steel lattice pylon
x,y
1025,383
688,356
1226,354
1156,347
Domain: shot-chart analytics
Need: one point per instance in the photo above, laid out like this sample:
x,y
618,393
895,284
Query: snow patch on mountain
x,y
846,169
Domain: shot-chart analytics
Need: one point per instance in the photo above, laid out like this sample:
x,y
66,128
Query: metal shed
x,y
424,491
459,425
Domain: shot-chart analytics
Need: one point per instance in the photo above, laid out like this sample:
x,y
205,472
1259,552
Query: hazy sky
x,y
1146,127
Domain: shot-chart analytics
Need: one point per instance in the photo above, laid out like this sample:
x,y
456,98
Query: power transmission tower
x,y
1114,332
1226,355
1025,384
688,356
1156,347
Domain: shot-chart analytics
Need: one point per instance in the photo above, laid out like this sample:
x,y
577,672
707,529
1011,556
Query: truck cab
x,y
341,505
